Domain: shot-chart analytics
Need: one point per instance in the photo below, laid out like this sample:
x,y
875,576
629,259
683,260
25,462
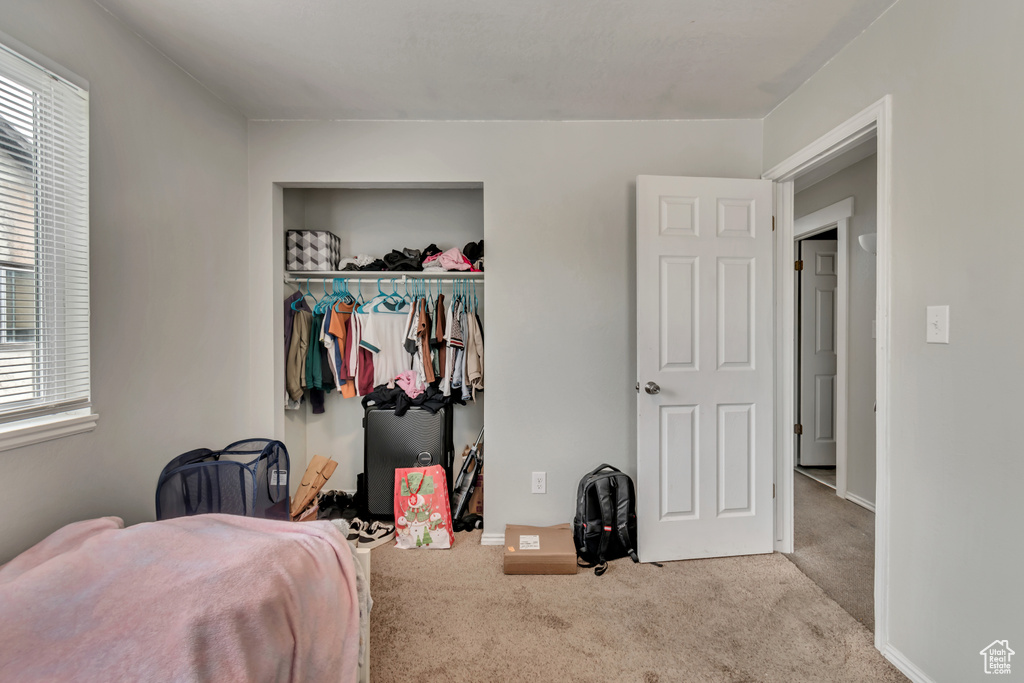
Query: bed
x,y
204,598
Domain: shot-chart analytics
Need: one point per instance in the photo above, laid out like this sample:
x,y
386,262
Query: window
x,y
44,248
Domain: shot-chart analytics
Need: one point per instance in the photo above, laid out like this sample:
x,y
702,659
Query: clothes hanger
x,y
367,306
321,305
307,293
390,302
343,296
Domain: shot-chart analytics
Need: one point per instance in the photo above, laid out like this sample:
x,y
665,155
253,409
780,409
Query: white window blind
x,y
44,241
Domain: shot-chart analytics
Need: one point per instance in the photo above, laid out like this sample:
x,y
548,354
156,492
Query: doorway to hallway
x,y
834,545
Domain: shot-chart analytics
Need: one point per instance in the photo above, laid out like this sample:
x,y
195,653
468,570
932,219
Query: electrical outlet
x,y
540,482
938,325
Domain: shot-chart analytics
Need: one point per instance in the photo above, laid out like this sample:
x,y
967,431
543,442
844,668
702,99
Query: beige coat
x,y
474,354
295,368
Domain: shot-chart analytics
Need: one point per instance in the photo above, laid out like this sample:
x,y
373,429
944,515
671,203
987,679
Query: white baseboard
x,y
492,539
866,504
899,660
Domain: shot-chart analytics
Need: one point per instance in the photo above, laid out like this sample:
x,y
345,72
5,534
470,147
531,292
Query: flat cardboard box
x,y
556,554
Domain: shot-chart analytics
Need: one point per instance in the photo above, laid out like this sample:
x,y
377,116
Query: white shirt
x,y
383,334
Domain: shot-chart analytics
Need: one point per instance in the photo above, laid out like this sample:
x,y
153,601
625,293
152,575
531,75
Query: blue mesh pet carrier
x,y
247,478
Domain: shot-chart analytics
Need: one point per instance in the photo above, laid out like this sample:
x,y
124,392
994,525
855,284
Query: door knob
x,y
652,388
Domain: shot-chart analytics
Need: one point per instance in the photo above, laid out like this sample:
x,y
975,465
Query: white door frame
x,y
836,216
876,119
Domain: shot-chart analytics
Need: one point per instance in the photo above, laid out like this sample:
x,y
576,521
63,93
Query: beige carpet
x,y
834,544
825,475
451,616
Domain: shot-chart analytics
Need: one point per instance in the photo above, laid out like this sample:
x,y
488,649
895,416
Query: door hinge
x,y
773,223
798,429
773,490
799,265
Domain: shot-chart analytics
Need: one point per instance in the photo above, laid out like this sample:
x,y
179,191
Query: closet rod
x,y
295,279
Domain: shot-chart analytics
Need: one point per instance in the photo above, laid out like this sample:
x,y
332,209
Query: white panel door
x,y
816,446
704,367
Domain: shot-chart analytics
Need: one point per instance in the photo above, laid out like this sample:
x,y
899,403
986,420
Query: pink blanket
x,y
207,598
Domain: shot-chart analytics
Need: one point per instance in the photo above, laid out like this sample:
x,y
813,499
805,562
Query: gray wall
x,y
956,549
169,269
559,224
857,181
376,221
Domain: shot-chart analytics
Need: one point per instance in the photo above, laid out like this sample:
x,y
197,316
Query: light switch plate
x,y
938,325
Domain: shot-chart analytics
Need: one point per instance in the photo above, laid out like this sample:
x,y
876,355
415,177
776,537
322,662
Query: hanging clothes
x,y
423,328
295,373
327,381
289,325
331,346
409,341
339,329
289,318
358,349
314,361
467,391
360,359
437,346
449,352
383,335
474,355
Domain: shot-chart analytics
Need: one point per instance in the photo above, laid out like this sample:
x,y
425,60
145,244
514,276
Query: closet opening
x,y
377,235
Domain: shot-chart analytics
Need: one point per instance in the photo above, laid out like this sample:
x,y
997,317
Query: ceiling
x,y
510,60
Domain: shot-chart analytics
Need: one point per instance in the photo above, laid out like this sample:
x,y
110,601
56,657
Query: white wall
x,y
559,226
169,274
956,549
375,221
857,181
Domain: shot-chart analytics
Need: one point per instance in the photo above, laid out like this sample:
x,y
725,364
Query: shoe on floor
x,y
377,533
355,528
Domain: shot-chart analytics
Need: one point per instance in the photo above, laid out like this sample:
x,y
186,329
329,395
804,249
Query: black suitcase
x,y
418,438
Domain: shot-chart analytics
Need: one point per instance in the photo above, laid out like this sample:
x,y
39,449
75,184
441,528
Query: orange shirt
x,y
341,313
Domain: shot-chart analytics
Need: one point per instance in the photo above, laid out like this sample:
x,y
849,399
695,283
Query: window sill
x,y
40,429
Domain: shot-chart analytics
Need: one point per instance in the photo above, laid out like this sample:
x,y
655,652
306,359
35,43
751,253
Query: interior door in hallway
x,y
704,367
816,444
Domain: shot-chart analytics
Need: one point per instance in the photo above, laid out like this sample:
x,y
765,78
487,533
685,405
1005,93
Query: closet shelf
x,y
297,276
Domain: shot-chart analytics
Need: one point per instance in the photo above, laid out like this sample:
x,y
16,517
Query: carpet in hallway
x,y
451,615
834,544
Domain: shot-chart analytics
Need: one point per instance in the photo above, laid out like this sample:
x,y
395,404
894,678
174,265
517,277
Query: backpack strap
x,y
604,500
622,521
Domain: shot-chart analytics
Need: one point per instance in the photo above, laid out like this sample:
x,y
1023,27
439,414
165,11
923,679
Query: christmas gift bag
x,y
423,515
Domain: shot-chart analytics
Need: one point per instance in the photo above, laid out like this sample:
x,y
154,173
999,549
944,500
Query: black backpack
x,y
605,524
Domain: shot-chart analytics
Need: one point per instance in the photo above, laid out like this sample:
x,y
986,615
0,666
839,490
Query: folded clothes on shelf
x,y
453,259
474,251
430,259
407,259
